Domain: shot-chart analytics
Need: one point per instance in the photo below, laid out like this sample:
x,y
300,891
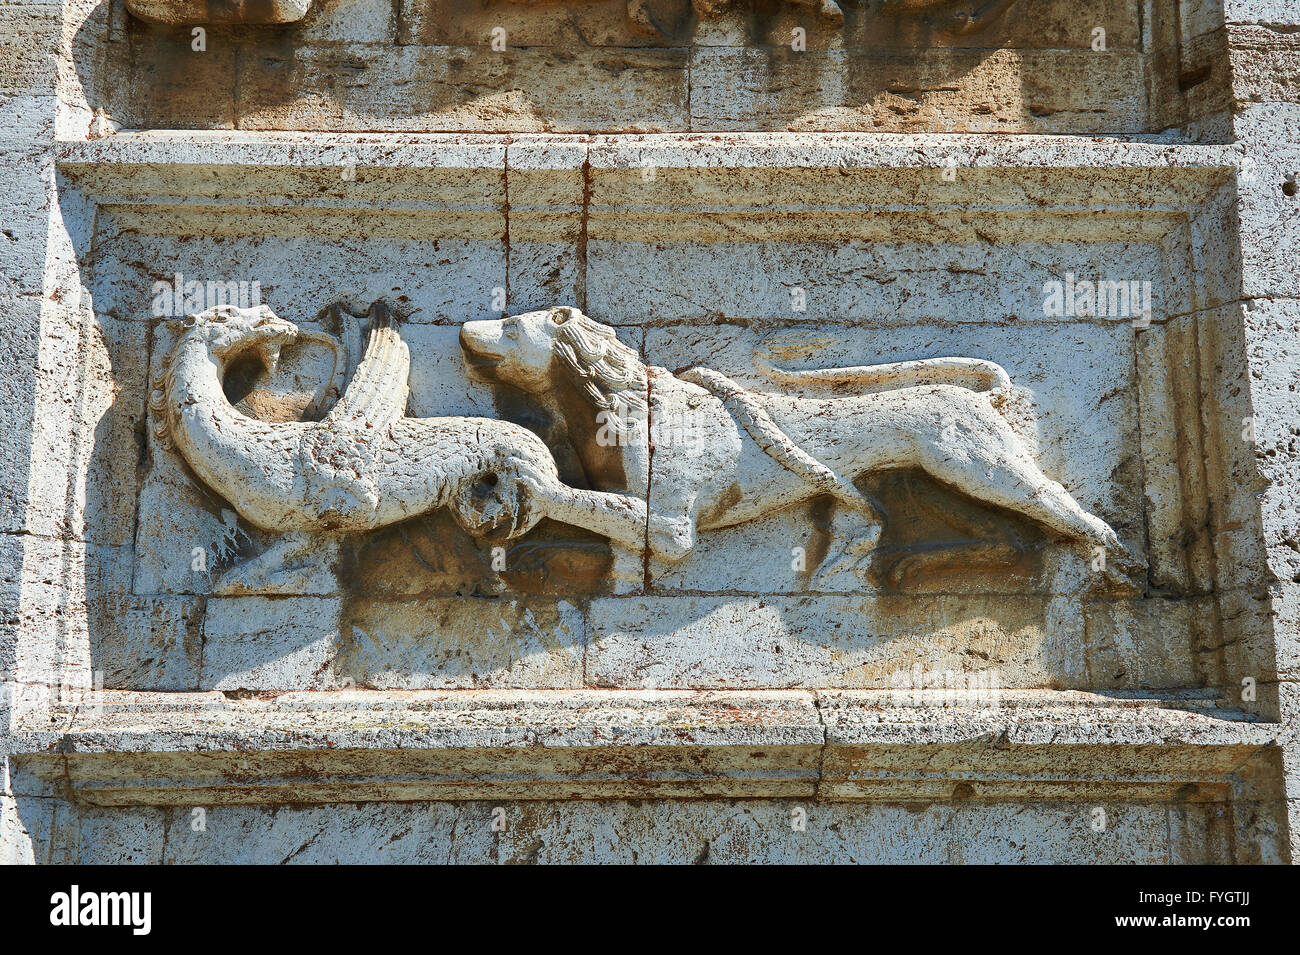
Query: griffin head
x,y
229,331
224,332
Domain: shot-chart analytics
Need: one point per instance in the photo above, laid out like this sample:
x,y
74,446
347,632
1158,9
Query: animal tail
x,y
779,446
927,371
979,374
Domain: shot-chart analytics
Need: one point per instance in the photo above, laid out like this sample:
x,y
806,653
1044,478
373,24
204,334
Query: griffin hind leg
x,y
299,563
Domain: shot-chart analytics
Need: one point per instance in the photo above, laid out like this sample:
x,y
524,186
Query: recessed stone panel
x,y
1092,378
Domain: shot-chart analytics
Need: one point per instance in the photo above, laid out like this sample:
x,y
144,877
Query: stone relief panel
x,y
1110,405
1091,67
839,568
726,411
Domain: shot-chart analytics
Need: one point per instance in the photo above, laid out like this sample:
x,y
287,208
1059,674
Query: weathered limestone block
x,y
444,279
18,383
349,21
92,375
259,643
746,831
1269,200
26,210
37,830
1264,64
175,87
440,88
884,283
741,89
151,643
29,48
63,590
130,838
518,67
817,641
447,643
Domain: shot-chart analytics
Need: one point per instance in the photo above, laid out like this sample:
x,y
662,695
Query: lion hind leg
x,y
1072,519
861,537
1017,485
1014,482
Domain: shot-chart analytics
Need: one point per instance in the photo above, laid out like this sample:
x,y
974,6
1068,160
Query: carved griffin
x,y
754,453
363,466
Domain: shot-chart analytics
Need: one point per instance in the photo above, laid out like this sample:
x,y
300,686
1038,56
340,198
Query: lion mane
x,y
610,373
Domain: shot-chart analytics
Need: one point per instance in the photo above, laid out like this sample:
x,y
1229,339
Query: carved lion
x,y
723,455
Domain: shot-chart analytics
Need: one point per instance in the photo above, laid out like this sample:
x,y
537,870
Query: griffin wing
x,y
341,453
377,394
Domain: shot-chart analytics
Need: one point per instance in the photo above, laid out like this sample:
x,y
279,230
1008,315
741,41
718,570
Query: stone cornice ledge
x,y
667,150
685,187
122,748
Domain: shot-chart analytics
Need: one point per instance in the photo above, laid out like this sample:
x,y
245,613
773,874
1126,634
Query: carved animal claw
x,y
298,563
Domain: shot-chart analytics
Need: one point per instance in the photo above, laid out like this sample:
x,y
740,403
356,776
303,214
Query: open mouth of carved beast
x,y
484,368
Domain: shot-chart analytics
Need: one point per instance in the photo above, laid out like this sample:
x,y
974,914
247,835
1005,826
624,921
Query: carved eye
x,y
559,315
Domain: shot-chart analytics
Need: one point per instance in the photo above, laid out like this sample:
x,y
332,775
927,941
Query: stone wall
x,y
716,186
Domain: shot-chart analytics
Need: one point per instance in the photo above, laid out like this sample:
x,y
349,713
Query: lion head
x,y
522,350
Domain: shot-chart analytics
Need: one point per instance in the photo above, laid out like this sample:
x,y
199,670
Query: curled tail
x,y
779,446
800,345
927,371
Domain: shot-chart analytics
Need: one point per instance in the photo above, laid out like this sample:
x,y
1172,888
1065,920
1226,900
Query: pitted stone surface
x,y
926,675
